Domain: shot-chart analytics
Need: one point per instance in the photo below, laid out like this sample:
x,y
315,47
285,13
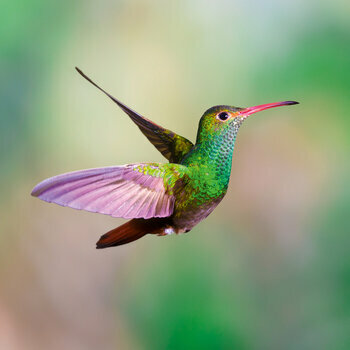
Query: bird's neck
x,y
213,153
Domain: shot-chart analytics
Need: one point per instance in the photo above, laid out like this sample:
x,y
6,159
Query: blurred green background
x,y
270,268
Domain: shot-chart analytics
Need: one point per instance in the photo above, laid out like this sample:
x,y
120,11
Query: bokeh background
x,y
270,268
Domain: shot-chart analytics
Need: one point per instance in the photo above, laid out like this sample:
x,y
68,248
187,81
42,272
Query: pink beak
x,y
250,110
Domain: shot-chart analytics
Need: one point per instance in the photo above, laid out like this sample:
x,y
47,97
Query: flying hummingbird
x,y
160,198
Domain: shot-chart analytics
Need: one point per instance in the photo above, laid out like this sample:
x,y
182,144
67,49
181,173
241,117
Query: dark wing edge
x,y
171,145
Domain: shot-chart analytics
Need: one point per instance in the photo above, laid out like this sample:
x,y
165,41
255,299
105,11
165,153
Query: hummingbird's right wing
x,y
143,190
173,146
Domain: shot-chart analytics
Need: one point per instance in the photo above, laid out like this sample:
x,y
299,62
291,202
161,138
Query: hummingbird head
x,y
219,120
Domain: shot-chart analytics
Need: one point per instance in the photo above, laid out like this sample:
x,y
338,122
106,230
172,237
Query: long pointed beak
x,y
250,110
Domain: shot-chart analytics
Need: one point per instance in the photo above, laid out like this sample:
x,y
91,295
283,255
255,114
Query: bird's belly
x,y
185,220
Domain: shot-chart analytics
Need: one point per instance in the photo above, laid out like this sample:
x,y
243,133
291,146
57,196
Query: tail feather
x,y
130,231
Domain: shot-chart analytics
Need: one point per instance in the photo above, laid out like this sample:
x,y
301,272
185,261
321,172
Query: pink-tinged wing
x,y
119,191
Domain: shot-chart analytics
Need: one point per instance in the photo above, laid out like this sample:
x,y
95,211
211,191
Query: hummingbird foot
x,y
167,231
170,230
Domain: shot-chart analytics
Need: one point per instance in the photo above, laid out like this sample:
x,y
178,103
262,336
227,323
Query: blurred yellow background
x,y
270,268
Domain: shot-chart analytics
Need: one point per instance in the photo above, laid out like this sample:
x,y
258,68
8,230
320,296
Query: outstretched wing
x,y
129,191
173,147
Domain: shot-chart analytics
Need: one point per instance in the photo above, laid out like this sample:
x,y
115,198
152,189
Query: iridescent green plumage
x,y
201,178
162,198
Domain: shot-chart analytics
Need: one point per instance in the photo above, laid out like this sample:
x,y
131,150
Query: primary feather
x,y
129,191
172,146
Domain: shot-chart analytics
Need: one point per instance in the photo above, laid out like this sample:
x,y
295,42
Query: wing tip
x,y
79,71
41,187
33,193
36,190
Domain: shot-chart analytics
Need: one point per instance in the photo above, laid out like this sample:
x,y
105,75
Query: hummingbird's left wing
x,y
173,146
142,190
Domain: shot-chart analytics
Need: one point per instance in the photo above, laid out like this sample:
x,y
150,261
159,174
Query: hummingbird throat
x,y
213,151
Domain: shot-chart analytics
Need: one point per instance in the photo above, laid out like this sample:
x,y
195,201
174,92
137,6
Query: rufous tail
x,y
130,231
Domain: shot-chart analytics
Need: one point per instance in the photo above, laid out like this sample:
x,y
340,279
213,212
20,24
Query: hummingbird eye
x,y
223,116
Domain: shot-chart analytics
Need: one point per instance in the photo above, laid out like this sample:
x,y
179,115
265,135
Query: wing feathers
x,y
172,146
121,191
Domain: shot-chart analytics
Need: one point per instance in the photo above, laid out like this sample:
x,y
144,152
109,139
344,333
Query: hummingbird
x,y
159,198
